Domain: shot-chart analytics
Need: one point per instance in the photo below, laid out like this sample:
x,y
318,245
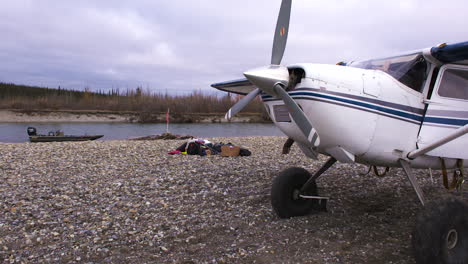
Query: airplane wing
x,y
452,53
240,86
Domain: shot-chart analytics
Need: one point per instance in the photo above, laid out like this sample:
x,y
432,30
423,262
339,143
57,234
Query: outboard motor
x,y
32,131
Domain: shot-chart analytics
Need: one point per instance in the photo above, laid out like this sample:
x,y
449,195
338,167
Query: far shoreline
x,y
99,116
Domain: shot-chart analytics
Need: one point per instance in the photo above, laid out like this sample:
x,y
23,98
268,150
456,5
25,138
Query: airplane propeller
x,y
279,45
242,103
281,32
274,79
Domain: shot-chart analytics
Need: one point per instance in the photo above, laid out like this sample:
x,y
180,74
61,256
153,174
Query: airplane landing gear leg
x,y
406,167
323,169
294,192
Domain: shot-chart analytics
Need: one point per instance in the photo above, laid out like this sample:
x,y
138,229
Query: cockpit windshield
x,y
410,70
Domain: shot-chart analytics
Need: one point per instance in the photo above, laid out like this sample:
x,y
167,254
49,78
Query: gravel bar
x,y
128,201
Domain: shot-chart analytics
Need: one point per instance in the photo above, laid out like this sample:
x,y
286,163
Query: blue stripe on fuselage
x,y
445,121
376,106
366,105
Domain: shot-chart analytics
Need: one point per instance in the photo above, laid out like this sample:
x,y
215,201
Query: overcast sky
x,y
184,45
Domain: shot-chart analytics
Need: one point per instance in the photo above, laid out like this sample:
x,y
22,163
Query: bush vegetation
x,y
29,98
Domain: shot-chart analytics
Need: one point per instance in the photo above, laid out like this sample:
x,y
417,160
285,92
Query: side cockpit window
x,y
454,84
410,70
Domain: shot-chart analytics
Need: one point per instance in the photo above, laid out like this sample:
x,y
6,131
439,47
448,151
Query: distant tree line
x,y
22,97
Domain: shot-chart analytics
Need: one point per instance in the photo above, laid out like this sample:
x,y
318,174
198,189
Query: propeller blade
x,y
281,32
273,80
298,116
242,103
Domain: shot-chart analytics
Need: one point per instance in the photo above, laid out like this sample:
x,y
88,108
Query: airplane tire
x,y
441,233
285,189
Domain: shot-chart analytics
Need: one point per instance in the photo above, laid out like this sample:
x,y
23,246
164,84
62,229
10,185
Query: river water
x,y
16,132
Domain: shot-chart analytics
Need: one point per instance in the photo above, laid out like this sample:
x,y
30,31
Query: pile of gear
x,y
204,147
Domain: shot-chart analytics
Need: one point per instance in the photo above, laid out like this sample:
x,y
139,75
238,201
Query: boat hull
x,y
45,138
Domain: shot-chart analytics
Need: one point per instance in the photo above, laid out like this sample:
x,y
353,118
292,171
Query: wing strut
x,y
454,135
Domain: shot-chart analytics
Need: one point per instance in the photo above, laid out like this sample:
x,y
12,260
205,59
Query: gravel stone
x,y
128,201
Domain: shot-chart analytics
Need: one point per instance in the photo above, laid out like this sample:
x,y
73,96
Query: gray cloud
x,y
184,45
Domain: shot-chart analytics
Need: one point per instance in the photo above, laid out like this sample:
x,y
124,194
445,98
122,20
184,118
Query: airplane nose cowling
x,y
267,78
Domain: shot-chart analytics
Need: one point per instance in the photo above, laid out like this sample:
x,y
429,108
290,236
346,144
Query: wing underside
x,y
452,53
240,86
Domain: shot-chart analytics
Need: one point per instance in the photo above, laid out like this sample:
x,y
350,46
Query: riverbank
x,y
128,201
68,116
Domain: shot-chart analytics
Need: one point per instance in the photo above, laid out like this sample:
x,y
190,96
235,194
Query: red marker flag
x,y
167,121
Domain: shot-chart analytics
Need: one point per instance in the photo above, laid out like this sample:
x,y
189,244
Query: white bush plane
x,y
408,111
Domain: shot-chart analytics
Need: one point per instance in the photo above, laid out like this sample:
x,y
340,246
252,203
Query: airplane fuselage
x,y
361,115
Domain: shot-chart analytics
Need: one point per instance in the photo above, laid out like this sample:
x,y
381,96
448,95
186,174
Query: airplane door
x,y
447,111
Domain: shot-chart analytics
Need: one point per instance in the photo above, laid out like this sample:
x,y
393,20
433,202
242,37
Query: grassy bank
x,y
147,105
102,116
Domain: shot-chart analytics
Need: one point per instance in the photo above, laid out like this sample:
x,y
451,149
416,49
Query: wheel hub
x,y
452,239
296,194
